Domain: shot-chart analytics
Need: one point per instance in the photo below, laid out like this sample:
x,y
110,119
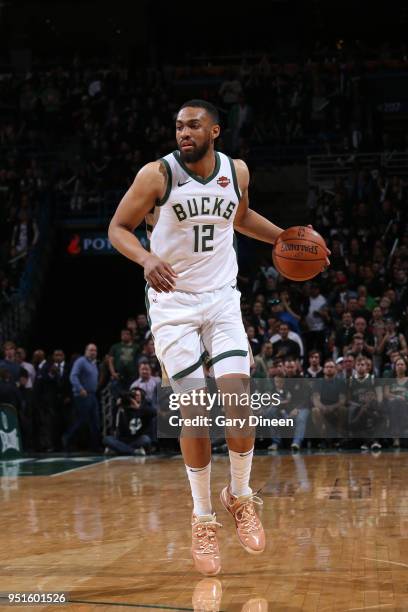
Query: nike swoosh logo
x,y
181,184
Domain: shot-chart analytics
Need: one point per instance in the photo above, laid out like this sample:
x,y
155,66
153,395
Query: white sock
x,y
200,488
241,464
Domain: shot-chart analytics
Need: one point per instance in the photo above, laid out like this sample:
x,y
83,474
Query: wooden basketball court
x,y
114,534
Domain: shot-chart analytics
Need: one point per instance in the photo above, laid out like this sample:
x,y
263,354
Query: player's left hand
x,y
328,250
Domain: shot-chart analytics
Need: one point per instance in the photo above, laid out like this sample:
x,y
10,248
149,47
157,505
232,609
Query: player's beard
x,y
192,157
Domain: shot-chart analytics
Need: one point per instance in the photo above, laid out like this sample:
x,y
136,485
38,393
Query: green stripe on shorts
x,y
232,353
190,369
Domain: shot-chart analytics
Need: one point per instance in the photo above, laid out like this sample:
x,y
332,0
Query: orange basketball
x,y
299,253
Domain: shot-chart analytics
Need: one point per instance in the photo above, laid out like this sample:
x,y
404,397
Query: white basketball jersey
x,y
192,227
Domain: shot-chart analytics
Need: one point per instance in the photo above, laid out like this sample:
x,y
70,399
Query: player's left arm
x,y
247,221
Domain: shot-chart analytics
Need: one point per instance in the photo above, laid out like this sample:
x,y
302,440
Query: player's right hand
x,y
159,274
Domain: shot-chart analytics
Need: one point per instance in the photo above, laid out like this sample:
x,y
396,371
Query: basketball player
x,y
193,199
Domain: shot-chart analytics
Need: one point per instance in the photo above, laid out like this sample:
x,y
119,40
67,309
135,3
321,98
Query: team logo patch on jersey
x,y
223,181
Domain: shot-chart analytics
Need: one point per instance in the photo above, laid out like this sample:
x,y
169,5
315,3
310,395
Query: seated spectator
x,y
376,318
296,406
392,341
282,310
315,369
263,361
328,403
364,397
147,382
283,346
389,368
273,327
358,347
378,335
362,311
257,321
276,369
292,335
361,327
316,319
386,310
289,313
134,425
370,302
352,306
396,396
253,340
345,333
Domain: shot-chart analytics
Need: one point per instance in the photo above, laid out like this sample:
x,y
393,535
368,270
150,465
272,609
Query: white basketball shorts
x,y
190,327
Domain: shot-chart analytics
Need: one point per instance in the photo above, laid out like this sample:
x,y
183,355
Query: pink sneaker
x,y
204,545
248,525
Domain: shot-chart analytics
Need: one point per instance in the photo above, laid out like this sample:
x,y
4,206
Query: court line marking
x,y
385,561
14,460
80,467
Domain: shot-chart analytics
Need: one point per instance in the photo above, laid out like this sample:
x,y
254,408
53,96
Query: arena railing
x,y
107,406
324,169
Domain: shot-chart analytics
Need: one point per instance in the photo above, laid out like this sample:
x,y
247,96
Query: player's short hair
x,y
209,108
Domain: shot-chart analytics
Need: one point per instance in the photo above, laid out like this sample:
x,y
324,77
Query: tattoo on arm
x,y
163,172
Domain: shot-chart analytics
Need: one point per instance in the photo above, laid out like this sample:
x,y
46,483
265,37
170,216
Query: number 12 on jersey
x,y
203,234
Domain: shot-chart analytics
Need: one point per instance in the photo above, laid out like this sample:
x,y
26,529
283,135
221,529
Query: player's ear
x,y
215,131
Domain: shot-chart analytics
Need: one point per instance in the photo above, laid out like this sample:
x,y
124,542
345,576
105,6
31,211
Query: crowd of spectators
x,y
335,348
108,120
82,133
105,119
58,399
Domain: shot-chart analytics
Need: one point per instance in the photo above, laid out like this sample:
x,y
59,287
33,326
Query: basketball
x,y
299,253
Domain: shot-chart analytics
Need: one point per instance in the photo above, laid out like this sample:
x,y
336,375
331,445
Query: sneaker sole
x,y
249,550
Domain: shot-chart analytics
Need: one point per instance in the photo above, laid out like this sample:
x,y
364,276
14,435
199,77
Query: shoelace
x,y
205,533
245,512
